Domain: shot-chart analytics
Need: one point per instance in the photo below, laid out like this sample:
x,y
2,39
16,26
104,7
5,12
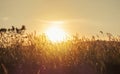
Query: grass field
x,y
33,54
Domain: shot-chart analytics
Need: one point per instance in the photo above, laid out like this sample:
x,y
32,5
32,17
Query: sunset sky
x,y
81,16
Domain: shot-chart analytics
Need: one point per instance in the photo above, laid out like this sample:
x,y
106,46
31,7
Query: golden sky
x,y
81,16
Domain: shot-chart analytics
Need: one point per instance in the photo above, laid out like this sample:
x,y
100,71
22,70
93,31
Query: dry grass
x,y
32,54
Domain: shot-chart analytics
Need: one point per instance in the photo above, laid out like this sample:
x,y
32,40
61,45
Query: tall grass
x,y
33,54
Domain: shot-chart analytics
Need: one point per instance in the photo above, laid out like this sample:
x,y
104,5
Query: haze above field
x,y
81,16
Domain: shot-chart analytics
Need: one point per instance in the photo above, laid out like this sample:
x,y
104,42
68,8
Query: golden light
x,y
56,22
56,34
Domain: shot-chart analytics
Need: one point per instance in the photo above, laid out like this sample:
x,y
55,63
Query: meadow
x,y
28,53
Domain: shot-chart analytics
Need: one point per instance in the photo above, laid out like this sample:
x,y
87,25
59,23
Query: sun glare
x,y
55,34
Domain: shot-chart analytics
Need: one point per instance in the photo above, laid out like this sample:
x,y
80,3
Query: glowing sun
x,y
56,34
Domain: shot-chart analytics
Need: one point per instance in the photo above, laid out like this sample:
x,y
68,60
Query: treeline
x,y
13,29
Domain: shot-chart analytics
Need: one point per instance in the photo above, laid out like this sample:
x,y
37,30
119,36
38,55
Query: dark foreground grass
x,y
31,54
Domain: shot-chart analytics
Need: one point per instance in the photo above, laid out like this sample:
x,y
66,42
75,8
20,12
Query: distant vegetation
x,y
23,53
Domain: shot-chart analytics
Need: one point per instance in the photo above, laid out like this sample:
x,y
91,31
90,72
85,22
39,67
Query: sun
x,y
56,34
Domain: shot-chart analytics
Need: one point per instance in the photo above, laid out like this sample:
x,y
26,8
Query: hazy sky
x,y
84,16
